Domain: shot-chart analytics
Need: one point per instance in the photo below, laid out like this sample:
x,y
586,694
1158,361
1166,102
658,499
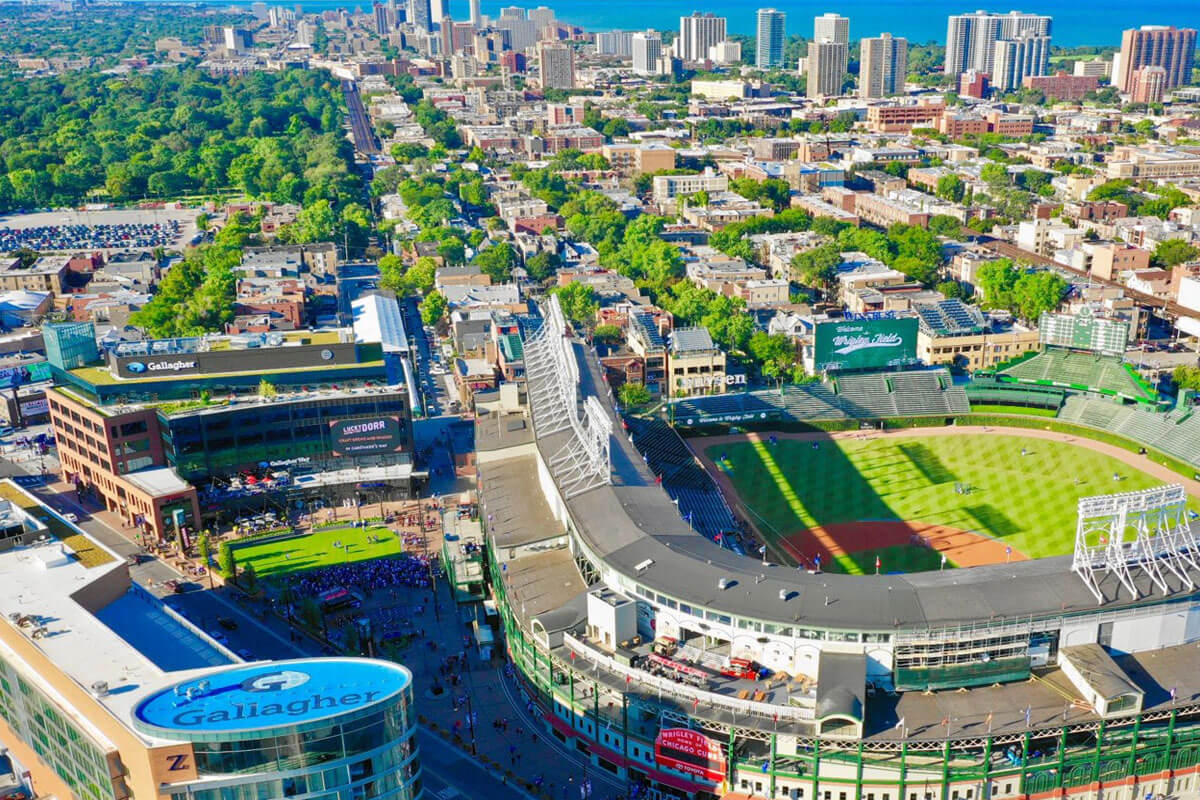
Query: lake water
x,y
1094,22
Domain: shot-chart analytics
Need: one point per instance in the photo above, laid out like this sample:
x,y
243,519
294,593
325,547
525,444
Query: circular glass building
x,y
329,728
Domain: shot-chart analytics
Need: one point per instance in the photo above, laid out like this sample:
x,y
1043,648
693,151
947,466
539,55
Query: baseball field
x,y
905,503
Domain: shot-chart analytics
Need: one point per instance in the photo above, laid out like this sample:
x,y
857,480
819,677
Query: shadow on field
x,y
992,519
927,463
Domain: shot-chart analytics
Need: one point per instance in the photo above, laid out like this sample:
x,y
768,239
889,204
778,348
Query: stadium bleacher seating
x,y
700,502
866,396
1098,373
1176,434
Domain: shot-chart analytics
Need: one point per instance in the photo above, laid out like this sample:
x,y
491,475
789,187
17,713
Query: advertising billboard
x,y
1083,331
690,752
845,344
365,437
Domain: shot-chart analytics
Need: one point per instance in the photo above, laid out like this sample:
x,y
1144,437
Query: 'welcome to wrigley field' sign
x,y
864,344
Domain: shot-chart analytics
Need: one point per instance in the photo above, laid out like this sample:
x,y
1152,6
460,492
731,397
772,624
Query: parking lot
x,y
68,230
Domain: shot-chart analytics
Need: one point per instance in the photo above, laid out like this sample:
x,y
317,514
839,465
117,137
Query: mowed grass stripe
x,y
316,550
1027,500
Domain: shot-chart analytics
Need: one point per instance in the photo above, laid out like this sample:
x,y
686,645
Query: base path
x,y
799,547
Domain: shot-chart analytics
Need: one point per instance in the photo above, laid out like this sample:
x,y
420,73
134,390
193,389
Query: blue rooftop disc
x,y
281,694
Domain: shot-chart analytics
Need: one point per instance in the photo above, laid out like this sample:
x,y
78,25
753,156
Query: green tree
x,y
578,301
775,353
433,308
817,267
951,289
315,223
226,561
391,273
1170,252
951,187
633,395
541,266
422,275
204,548
997,280
497,261
994,175
1038,292
1187,377
606,334
945,225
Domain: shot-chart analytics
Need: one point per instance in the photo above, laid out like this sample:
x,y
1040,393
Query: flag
x,y
900,724
1008,550
878,563
1174,689
696,704
989,722
718,537
1028,715
943,559
945,722
765,767
762,549
817,560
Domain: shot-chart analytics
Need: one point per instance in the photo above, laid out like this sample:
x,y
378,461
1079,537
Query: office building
x,y
883,66
476,17
1094,68
439,10
831,28
238,40
384,22
826,68
1014,59
725,52
647,52
107,694
1148,85
556,63
615,43
143,425
420,14
971,38
1173,49
697,34
770,38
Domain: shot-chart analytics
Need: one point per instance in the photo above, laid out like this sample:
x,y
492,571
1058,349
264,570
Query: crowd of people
x,y
408,570
90,237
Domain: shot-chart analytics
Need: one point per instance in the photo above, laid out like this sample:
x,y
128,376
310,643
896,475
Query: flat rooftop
x,y
41,582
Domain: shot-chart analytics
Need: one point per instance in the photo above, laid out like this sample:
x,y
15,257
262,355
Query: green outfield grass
x,y
316,550
1028,501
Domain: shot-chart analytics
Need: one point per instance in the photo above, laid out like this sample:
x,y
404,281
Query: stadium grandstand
x,y
692,672
1176,433
1080,371
700,502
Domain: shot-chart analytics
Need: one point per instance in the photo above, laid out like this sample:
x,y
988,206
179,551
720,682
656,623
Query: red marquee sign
x,y
690,752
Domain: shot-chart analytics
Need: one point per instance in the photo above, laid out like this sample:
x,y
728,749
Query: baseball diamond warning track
x,y
918,499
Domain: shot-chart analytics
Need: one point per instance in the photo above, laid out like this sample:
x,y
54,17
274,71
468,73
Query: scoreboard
x,y
1084,331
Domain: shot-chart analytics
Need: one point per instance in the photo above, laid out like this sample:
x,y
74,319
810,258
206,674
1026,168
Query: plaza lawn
x,y
317,550
1027,501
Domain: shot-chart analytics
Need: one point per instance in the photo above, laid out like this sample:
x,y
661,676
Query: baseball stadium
x,y
886,585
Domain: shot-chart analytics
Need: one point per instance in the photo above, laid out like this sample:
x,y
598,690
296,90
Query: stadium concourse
x,y
688,670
